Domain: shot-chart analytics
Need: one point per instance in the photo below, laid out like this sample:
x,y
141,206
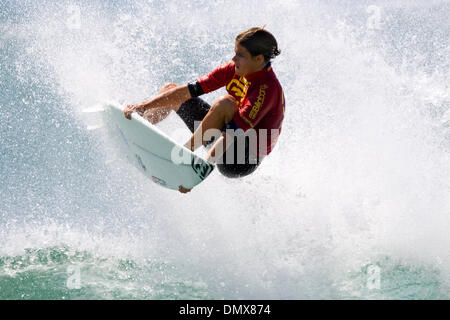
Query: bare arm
x,y
172,98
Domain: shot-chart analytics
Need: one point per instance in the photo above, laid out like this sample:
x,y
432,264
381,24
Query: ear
x,y
260,58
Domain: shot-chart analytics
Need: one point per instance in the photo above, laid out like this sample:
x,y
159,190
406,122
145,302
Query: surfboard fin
x,y
95,127
94,109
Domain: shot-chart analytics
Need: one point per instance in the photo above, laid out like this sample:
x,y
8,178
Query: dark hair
x,y
259,41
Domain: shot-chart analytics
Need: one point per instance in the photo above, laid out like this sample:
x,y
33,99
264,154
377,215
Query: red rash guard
x,y
259,99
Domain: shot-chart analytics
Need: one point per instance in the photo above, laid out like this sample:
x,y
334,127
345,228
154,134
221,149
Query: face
x,y
245,63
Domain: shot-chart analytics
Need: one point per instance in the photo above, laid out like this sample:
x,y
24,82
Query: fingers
x,y
129,109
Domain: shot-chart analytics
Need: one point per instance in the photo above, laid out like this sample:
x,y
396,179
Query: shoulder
x,y
268,84
273,80
268,91
228,66
224,71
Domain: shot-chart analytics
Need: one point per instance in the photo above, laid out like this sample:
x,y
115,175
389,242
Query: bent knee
x,y
227,100
225,103
227,106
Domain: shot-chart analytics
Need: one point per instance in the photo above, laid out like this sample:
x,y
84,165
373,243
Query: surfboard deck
x,y
154,153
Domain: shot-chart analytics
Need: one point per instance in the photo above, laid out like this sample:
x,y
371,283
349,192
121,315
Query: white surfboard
x,y
154,153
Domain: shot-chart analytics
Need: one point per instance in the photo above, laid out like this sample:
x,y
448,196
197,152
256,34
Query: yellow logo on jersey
x,y
238,87
259,102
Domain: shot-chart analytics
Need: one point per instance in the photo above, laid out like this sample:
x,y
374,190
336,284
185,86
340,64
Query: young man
x,y
254,104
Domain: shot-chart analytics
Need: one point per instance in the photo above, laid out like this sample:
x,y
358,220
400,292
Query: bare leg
x,y
159,114
219,148
221,112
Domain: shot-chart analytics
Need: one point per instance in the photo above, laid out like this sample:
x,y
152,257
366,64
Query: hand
x,y
183,189
129,109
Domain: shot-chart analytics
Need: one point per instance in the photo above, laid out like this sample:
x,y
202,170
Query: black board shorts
x,y
195,109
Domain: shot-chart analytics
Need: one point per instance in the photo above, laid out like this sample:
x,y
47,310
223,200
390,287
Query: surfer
x,y
254,103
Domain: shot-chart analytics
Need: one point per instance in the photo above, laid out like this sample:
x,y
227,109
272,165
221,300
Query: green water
x,y
49,273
